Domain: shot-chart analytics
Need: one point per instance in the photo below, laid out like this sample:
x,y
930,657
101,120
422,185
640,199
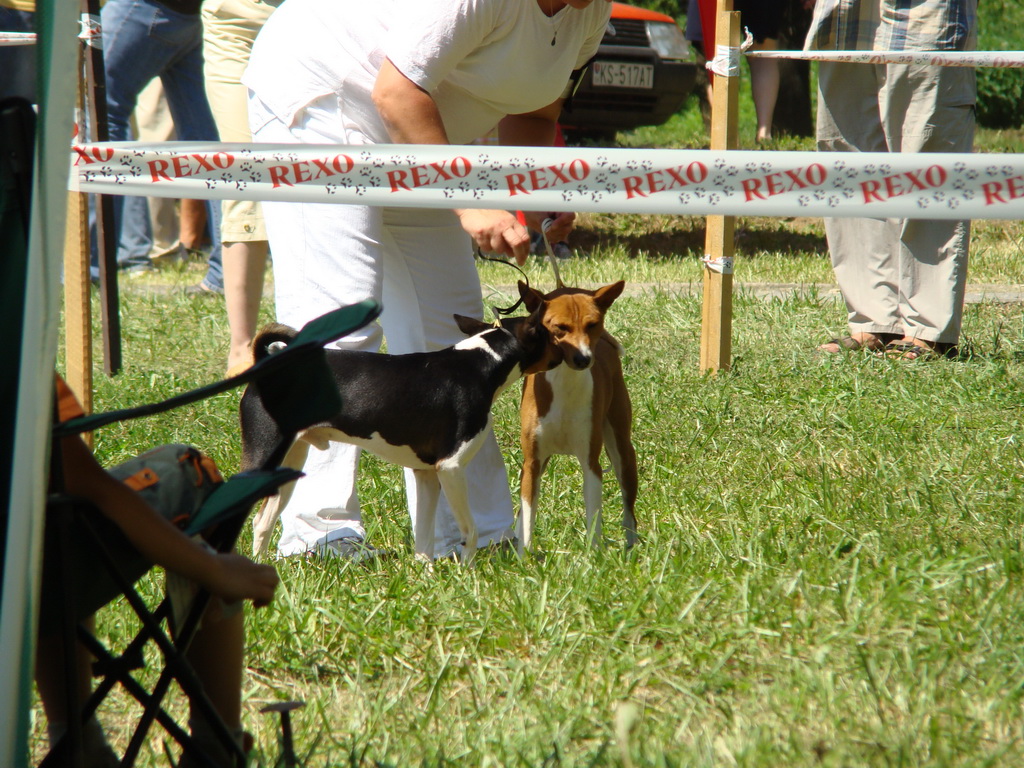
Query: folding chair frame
x,y
300,401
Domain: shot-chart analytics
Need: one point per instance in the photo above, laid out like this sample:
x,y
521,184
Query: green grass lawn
x,y
831,571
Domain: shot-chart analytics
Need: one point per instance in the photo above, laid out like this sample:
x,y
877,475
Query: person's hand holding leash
x,y
496,232
555,225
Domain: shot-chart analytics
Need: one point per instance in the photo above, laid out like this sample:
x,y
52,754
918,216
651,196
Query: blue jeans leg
x,y
134,235
143,39
214,267
185,88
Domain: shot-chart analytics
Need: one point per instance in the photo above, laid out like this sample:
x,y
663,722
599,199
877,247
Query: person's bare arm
x,y
531,129
411,117
229,576
409,112
538,129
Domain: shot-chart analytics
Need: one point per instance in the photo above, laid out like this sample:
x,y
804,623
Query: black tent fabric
x,y
17,137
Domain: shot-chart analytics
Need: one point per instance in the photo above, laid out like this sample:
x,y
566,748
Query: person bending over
x,y
408,72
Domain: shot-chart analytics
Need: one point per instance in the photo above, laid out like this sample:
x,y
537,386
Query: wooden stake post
x,y
77,307
716,328
96,103
77,280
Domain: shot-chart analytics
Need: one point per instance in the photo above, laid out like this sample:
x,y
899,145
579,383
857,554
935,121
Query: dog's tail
x,y
271,338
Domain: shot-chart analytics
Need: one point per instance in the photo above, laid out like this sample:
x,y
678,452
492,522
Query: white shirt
x,y
479,59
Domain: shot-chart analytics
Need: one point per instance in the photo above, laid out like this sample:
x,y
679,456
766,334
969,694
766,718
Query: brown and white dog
x,y
578,408
428,411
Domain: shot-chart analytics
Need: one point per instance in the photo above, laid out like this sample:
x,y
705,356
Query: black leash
x,y
503,310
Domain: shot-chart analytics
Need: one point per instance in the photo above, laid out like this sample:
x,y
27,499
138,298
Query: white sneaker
x,y
352,548
495,546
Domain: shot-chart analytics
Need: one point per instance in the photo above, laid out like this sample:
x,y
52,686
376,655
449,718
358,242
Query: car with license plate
x,y
642,74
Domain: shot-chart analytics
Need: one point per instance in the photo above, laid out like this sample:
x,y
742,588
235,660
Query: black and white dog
x,y
428,411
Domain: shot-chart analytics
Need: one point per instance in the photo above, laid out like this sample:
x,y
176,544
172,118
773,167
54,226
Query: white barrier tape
x,y
17,38
726,62
91,30
1001,59
720,264
673,181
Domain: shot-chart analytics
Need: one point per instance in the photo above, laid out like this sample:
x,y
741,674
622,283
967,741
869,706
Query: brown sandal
x,y
907,350
851,344
846,342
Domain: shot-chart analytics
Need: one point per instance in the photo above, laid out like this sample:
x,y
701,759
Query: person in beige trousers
x,y
229,29
903,280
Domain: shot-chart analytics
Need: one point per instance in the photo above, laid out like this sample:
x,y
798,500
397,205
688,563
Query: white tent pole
x,y
57,28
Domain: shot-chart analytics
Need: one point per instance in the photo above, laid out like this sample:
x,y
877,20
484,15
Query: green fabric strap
x,y
240,492
304,351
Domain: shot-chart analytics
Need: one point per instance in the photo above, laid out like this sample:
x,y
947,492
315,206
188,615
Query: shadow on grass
x,y
685,237
775,238
652,244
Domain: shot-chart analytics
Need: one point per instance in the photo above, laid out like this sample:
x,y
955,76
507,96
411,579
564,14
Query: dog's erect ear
x,y
533,336
543,336
604,297
535,320
531,297
471,326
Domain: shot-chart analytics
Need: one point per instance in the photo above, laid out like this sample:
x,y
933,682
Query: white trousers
x,y
418,263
